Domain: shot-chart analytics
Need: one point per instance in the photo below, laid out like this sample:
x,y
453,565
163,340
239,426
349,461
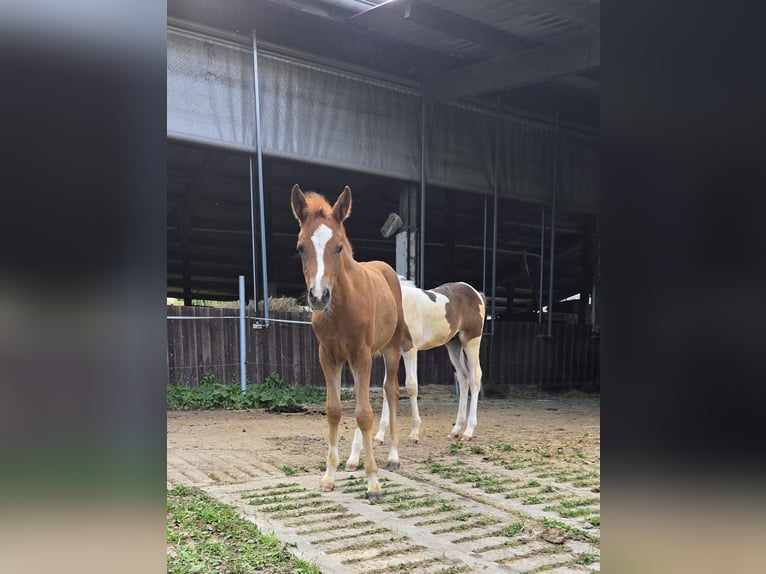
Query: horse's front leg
x,y
411,370
332,375
361,366
456,358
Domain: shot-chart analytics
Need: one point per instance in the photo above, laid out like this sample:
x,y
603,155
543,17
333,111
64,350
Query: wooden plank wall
x,y
514,355
200,346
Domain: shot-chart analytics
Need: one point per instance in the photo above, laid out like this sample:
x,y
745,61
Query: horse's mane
x,y
407,282
411,284
317,205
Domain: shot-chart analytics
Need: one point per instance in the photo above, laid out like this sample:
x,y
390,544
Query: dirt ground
x,y
567,424
484,505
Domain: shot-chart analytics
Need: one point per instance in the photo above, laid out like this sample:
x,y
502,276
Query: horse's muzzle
x,y
319,303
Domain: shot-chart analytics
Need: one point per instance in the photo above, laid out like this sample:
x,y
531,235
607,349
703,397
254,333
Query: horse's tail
x,y
464,360
462,357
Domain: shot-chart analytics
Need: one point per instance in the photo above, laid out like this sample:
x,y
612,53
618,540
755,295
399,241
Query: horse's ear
x,y
298,203
342,208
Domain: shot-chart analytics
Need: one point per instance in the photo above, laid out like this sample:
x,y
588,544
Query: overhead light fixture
x,y
392,225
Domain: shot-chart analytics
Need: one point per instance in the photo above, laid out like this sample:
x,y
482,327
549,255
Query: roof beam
x,y
585,12
506,72
580,83
461,27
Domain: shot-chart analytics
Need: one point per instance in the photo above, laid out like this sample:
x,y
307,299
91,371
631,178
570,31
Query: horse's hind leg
x,y
391,357
412,383
456,357
471,349
384,423
332,374
356,450
411,368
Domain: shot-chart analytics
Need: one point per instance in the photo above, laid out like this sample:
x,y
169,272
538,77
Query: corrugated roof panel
x,y
520,19
388,20
523,19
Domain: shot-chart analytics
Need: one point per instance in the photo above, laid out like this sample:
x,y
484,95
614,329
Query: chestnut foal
x,y
357,313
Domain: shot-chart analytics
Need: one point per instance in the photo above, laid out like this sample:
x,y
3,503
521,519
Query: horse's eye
x,y
339,248
300,249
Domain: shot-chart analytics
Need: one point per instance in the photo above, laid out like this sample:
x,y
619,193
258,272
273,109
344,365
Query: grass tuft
x,y
513,529
273,394
204,535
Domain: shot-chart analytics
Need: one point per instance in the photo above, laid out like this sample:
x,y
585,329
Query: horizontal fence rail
x,y
205,340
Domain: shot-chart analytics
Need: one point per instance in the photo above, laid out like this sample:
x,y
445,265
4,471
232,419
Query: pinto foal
x,y
357,313
450,315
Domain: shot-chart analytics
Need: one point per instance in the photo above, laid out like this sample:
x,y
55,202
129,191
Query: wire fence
x,y
205,340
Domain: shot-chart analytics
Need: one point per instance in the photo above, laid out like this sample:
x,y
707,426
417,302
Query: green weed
x,y
578,502
204,535
543,452
513,529
258,500
409,504
293,470
587,559
273,394
572,532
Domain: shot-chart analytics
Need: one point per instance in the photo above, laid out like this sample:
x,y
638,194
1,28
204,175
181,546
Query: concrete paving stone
x,y
521,564
344,533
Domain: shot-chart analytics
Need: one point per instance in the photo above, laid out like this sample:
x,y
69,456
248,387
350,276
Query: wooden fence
x,y
208,342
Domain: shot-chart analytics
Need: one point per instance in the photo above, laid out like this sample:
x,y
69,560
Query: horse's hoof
x,y
374,495
392,465
414,440
351,467
467,438
377,440
452,435
324,487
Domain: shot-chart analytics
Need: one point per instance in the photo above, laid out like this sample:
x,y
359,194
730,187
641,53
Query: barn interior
x,y
496,102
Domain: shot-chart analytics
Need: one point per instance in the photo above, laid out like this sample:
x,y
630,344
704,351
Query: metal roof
x,y
496,45
533,57
538,56
523,24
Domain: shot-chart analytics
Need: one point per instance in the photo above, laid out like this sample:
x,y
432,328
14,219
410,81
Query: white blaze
x,y
319,238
